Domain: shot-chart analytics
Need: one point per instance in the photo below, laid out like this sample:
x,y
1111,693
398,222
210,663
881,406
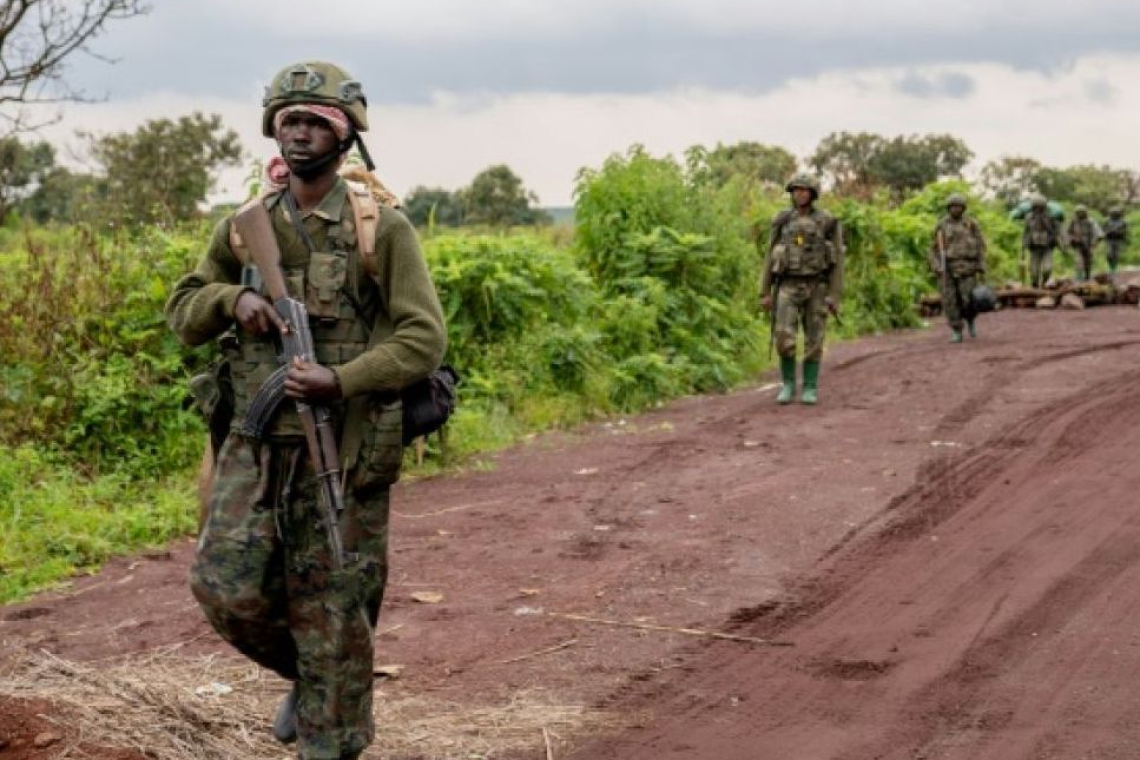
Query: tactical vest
x,y
1042,229
1115,229
802,247
1081,232
960,238
370,425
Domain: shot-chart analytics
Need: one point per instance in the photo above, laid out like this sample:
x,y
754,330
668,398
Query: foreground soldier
x,y
1040,236
803,281
958,256
264,573
1116,235
1082,235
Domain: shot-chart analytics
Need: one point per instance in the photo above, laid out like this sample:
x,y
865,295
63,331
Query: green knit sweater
x,y
402,297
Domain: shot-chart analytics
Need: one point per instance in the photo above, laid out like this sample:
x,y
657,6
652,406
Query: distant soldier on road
x,y
1116,235
1040,236
1082,236
802,282
958,256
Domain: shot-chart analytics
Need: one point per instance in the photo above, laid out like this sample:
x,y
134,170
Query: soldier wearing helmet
x,y
802,282
1040,236
1116,236
263,573
1082,235
958,257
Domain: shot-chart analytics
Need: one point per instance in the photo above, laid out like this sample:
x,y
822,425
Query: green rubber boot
x,y
811,384
788,375
955,336
973,328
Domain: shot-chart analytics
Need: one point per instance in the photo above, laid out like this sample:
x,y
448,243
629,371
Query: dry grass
x,y
213,708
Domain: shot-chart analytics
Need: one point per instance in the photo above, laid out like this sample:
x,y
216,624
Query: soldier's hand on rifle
x,y
256,315
766,302
309,381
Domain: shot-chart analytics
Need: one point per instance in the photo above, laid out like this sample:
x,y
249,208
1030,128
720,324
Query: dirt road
x,y
950,542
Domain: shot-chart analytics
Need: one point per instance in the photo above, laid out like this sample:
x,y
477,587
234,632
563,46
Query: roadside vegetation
x,y
650,295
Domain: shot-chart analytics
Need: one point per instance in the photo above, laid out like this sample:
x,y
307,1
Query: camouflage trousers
x,y
1082,261
1115,248
1040,266
800,303
956,299
264,577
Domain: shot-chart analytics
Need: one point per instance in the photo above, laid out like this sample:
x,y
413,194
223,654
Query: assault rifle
x,y
256,229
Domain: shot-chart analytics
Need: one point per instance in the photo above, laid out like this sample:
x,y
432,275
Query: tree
x,y
907,164
765,164
22,168
37,38
497,197
862,162
434,205
1098,187
1010,179
845,159
161,172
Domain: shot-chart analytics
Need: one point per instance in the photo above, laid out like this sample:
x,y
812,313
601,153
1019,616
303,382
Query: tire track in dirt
x,y
929,639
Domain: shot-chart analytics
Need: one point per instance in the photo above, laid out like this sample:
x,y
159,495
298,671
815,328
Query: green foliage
x,y
496,197
161,172
54,523
22,167
433,206
754,162
859,163
90,367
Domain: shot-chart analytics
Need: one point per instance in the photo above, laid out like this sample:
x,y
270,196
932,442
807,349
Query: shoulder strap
x,y
366,217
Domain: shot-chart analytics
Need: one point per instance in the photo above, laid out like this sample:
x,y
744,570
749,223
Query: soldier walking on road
x,y
1040,236
1082,235
802,283
958,256
1116,235
266,573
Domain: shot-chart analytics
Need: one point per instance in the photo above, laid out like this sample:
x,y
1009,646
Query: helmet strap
x,y
307,170
368,162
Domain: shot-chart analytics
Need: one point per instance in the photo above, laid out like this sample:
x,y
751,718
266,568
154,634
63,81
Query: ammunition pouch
x,y
213,394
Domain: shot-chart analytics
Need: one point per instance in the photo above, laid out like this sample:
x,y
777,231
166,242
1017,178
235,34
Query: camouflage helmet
x,y
804,180
1081,211
956,199
1037,200
314,82
1116,212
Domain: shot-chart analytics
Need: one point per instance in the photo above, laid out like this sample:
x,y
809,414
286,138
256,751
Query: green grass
x,y
54,523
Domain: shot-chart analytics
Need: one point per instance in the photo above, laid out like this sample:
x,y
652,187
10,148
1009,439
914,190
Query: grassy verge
x,y
54,523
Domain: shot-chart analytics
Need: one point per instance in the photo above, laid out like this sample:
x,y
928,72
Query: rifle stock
x,y
256,229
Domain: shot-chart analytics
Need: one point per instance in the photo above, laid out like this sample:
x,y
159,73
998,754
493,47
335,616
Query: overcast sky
x,y
549,87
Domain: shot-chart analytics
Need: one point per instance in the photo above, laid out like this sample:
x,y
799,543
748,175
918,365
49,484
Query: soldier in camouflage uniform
x,y
1082,235
1040,236
263,572
803,279
958,257
1116,235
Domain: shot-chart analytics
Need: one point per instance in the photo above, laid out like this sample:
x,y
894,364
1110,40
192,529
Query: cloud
x,y
406,52
547,137
949,84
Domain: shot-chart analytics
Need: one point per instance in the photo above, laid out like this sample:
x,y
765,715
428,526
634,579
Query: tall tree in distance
x,y
860,163
37,39
756,162
22,168
1010,179
496,197
433,205
162,171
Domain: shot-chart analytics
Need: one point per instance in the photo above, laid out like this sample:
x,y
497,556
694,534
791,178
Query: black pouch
x,y
213,394
429,403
